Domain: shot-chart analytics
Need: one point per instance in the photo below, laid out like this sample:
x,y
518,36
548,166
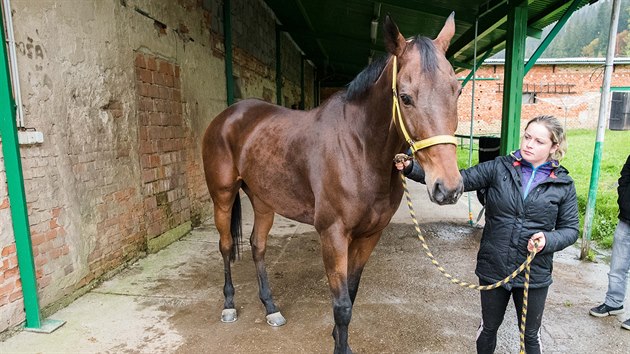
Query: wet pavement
x,y
171,301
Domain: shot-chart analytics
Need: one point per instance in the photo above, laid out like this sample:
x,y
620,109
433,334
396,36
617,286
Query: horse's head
x,y
427,91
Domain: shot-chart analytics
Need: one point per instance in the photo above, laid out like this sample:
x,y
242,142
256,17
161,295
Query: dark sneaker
x,y
604,310
626,324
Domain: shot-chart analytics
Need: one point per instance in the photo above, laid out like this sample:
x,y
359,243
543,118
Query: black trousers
x,y
493,305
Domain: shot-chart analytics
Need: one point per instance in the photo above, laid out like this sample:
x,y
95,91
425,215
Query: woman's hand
x,y
401,161
542,241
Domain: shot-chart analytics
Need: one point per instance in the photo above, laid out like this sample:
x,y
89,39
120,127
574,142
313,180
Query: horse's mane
x,y
359,86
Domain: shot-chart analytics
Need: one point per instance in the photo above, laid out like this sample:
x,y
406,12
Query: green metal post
x,y
17,198
513,76
302,94
315,89
479,62
278,66
554,31
604,109
227,43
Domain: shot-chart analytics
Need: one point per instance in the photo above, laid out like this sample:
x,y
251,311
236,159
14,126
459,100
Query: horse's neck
x,y
387,141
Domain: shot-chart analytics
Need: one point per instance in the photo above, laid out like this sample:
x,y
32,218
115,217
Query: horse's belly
x,y
284,192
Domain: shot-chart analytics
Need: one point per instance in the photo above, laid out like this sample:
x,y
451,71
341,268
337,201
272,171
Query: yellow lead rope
x,y
525,266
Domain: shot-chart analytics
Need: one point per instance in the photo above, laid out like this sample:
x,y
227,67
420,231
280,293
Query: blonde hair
x,y
558,137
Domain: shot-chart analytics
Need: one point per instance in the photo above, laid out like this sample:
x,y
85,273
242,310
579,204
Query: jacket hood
x,y
552,165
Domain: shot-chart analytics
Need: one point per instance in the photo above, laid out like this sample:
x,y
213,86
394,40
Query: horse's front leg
x,y
335,256
359,252
263,221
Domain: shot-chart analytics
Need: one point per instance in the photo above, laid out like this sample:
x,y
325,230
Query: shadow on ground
x,y
170,302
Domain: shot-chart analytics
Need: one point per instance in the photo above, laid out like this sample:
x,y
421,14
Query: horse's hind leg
x,y
263,221
224,202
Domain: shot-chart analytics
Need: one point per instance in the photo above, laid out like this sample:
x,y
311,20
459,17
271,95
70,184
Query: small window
x,y
529,98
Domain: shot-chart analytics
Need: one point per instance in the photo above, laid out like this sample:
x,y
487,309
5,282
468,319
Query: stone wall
x,y
122,91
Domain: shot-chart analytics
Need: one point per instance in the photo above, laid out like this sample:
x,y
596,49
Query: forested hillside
x,y
586,33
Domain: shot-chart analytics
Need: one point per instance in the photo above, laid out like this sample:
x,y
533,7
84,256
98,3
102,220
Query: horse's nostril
x,y
438,192
442,195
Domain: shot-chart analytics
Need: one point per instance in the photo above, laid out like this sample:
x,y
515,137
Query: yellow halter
x,y
415,145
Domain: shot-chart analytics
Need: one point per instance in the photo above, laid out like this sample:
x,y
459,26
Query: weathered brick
x,y
16,295
7,250
166,68
151,63
144,75
140,63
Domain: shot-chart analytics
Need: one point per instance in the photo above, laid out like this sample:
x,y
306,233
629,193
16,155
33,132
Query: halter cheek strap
x,y
397,118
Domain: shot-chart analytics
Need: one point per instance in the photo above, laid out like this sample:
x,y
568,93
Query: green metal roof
x,y
336,34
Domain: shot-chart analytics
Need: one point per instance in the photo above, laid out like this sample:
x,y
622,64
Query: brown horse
x,y
331,167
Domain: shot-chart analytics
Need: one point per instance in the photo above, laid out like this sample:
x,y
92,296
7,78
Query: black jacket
x,y
511,221
624,192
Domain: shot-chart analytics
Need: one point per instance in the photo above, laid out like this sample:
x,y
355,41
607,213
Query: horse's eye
x,y
406,99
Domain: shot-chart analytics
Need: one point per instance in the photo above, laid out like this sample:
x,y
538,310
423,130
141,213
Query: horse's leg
x,y
359,252
223,201
263,221
335,256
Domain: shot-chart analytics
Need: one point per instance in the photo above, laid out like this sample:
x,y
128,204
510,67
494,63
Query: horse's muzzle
x,y
442,195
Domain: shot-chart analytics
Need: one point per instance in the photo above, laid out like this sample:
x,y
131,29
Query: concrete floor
x,y
170,302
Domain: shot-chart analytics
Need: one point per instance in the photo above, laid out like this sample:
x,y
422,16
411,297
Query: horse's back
x,y
236,125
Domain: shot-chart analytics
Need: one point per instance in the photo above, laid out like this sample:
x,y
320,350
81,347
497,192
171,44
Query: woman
x,y
529,197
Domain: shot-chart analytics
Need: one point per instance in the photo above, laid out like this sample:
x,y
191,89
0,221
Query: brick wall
x,y
580,107
163,142
10,285
122,120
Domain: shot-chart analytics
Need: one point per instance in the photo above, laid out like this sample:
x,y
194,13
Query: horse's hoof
x,y
228,315
276,319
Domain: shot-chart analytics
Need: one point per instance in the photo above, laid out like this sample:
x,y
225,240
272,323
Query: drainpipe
x,y
15,77
17,201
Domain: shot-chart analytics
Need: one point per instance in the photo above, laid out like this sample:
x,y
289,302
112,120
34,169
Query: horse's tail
x,y
236,229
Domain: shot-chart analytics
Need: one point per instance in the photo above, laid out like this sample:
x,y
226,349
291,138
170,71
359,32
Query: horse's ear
x,y
394,41
443,39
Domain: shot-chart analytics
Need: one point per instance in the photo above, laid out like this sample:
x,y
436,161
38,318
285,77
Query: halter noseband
x,y
415,145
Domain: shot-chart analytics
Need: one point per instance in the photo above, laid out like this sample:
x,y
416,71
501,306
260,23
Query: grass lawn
x,y
578,161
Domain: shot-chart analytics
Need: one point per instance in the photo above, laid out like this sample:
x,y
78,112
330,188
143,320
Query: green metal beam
x,y
491,19
348,41
604,112
554,31
534,32
17,201
429,9
460,64
17,197
302,94
479,62
278,66
227,43
513,77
